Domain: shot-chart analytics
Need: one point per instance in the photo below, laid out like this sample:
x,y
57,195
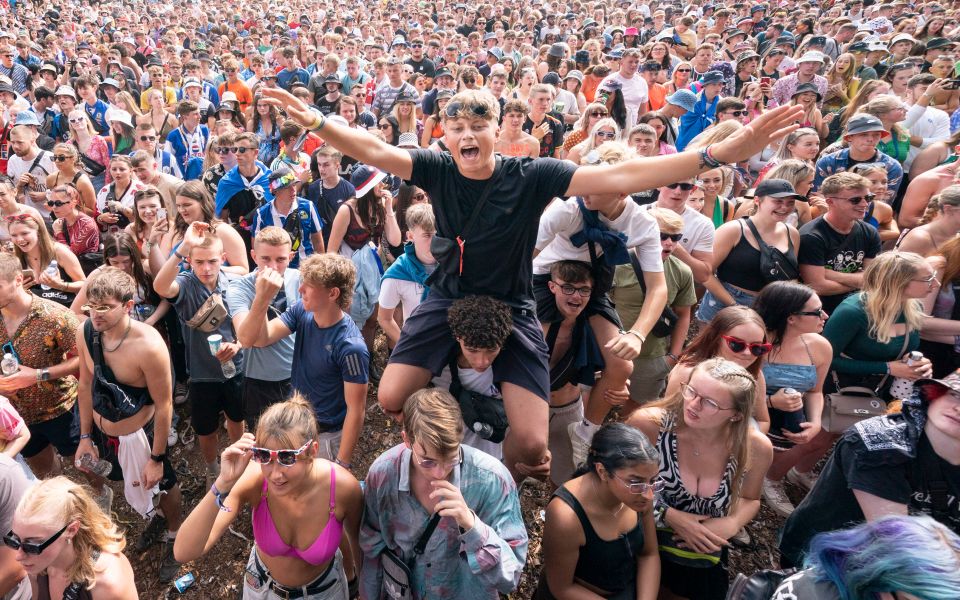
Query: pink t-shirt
x,y
10,421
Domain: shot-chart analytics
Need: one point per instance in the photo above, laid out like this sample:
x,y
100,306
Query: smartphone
x,y
951,84
27,273
764,81
298,145
161,214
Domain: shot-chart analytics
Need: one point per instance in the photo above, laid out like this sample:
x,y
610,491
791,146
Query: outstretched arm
x,y
646,173
354,143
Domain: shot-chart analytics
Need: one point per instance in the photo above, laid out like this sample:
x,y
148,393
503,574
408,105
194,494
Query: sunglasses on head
x,y
453,109
676,237
756,348
285,458
13,541
20,218
686,187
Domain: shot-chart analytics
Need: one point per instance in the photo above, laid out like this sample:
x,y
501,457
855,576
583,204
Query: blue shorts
x,y
427,342
710,306
62,432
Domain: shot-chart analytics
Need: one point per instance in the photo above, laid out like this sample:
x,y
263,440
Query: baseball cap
x,y
110,81
939,42
776,188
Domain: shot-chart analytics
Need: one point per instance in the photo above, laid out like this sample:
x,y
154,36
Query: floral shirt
x,y
45,338
484,562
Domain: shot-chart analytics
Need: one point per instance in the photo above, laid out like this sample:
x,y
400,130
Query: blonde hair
x,y
469,100
432,417
884,281
882,105
843,180
272,236
111,282
667,220
291,423
743,389
609,153
421,215
330,271
46,244
58,501
949,196
589,142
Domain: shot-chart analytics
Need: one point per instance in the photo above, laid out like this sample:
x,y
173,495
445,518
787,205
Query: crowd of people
x,y
671,260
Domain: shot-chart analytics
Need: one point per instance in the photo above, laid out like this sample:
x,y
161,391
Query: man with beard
x,y
131,403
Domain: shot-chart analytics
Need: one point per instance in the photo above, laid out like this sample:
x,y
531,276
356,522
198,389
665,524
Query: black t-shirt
x,y
326,107
824,246
424,66
498,255
554,137
870,457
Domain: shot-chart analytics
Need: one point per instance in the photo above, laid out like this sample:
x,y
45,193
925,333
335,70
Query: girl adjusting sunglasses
x,y
281,463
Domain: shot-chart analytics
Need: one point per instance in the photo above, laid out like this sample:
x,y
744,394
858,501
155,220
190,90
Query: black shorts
x,y
108,446
62,432
259,395
426,342
209,398
599,304
694,583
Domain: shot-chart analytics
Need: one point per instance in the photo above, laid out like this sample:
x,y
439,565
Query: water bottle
x,y
95,465
902,388
229,369
793,419
484,430
9,365
52,270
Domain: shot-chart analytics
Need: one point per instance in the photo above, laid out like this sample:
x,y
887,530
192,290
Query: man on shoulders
x,y
632,86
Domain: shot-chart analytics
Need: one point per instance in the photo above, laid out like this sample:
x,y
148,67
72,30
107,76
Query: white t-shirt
x,y
635,94
562,219
394,292
698,230
17,166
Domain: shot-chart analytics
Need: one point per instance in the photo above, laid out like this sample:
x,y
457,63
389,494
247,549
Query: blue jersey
x,y
98,114
310,224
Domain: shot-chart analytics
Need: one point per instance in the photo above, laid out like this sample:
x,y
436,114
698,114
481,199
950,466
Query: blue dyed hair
x,y
913,555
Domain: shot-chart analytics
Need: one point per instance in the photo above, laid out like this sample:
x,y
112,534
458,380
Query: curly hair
x,y
480,322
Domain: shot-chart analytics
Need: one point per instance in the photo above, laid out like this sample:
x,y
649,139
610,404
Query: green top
x,y
896,147
718,211
854,351
628,297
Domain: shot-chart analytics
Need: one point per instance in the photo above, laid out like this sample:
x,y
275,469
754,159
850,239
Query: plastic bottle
x,y
95,465
52,270
902,388
483,430
229,369
9,365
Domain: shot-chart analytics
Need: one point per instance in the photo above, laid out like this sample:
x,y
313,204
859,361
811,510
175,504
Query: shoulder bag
x,y
774,264
667,320
850,405
449,253
210,315
759,586
397,573
89,261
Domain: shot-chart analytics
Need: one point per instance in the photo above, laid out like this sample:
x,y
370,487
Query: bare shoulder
x,y
115,578
761,450
647,420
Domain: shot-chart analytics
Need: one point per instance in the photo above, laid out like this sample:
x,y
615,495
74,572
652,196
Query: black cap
x,y
551,78
776,188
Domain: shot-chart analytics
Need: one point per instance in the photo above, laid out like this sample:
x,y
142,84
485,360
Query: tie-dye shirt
x,y
480,563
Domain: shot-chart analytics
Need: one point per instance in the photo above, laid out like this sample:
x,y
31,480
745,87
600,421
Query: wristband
x,y
219,496
178,255
319,121
638,335
84,436
706,158
346,466
769,401
673,356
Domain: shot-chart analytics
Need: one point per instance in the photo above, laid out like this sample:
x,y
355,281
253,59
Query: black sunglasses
x,y
686,187
856,199
454,108
56,203
226,149
676,237
13,541
148,138
811,313
61,158
738,113
244,149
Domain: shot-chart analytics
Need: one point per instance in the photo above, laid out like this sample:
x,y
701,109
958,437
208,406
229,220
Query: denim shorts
x,y
257,581
710,306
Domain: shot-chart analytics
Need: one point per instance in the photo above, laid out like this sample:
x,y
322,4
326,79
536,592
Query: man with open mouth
x,y
488,208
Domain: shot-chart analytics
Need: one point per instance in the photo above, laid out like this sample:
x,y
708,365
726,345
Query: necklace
x,y
596,492
122,339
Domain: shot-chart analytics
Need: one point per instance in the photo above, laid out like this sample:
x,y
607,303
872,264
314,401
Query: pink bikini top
x,y
322,549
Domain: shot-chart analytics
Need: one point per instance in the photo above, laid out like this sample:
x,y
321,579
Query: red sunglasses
x,y
737,345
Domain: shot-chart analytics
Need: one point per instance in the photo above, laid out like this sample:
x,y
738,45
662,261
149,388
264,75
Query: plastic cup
x,y
214,342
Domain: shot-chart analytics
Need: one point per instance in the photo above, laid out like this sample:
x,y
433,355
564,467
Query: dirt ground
x,y
219,573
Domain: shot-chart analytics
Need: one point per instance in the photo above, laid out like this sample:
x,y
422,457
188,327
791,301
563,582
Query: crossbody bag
x,y
398,573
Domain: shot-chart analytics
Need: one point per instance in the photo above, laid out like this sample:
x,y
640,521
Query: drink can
x,y
182,583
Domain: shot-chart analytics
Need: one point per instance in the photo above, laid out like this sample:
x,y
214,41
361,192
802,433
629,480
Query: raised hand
x,y
761,132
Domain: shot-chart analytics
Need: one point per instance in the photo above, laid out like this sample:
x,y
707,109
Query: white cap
x,y
811,56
